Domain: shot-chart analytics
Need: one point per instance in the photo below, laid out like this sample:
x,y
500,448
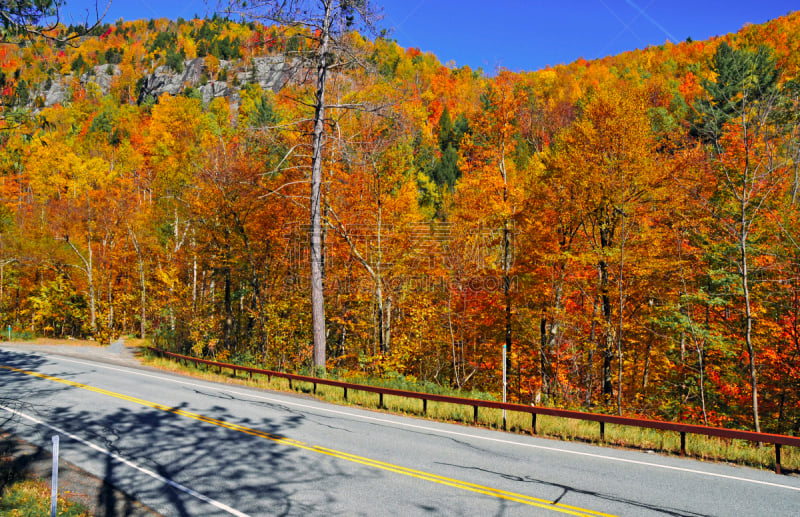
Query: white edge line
x,y
431,429
174,484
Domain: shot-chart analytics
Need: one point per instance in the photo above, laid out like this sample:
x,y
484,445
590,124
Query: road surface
x,y
186,447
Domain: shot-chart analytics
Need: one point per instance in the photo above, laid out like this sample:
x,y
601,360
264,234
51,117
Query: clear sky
x,y
517,34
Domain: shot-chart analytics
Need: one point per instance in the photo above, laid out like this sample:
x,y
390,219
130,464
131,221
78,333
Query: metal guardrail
x,y
775,439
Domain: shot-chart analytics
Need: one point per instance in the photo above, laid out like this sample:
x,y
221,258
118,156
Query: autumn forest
x,y
629,228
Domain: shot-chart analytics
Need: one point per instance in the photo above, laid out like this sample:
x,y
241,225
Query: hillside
x,y
628,226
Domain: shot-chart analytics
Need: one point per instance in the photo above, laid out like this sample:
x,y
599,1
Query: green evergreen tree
x,y
446,172
743,77
460,128
174,60
446,133
78,64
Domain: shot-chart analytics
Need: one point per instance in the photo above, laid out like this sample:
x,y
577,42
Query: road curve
x,y
186,447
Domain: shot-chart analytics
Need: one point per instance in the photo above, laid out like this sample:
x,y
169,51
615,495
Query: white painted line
x,y
211,385
173,484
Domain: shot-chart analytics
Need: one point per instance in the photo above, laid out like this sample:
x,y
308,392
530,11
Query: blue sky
x,y
518,34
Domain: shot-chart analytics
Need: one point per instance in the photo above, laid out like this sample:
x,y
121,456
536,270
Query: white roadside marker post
x,y
54,489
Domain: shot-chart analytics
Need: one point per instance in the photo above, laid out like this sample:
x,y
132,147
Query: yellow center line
x,y
426,476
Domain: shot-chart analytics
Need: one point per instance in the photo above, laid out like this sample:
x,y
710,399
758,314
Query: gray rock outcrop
x,y
165,80
270,72
56,94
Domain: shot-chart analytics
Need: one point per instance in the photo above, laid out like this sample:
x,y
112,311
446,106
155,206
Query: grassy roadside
x,y
31,498
700,447
23,493
25,470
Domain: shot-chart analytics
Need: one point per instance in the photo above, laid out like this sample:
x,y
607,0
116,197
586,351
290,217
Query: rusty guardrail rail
x,y
775,439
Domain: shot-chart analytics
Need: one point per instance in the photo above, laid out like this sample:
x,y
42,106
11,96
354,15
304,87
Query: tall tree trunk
x,y
507,263
702,366
457,358
620,307
744,223
90,278
228,308
88,271
590,359
748,327
194,277
507,291
608,346
544,358
143,284
317,295
143,301
606,236
386,330
646,370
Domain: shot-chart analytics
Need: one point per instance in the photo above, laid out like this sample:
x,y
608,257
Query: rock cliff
x,y
270,72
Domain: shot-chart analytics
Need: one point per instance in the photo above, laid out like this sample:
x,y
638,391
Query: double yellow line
x,y
425,476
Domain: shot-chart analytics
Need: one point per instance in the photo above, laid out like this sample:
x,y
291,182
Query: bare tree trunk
x,y
194,277
88,271
748,329
744,223
544,358
507,290
110,297
92,301
456,358
143,285
702,365
507,263
330,22
228,307
317,294
621,305
608,346
143,301
387,325
590,359
646,372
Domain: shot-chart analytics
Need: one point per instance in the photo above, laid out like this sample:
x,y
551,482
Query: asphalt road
x,y
188,447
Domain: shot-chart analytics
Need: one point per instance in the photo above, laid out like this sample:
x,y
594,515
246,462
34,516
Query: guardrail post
x,y
315,388
602,431
345,393
251,375
380,402
290,383
533,423
475,415
683,444
777,458
424,406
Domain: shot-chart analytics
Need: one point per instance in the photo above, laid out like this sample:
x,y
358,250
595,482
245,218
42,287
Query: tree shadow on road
x,y
255,474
